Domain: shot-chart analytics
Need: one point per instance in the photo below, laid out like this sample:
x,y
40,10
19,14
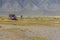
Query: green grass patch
x,y
30,30
22,30
15,29
39,38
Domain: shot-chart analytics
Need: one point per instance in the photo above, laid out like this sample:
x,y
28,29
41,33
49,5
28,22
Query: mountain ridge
x,y
30,7
46,4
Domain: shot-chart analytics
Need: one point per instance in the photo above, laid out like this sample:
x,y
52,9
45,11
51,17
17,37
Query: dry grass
x,y
32,21
0,26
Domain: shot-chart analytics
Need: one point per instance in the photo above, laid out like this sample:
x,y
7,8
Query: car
x,y
12,17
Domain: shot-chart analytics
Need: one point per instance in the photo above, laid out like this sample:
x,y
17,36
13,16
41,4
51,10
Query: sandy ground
x,y
49,32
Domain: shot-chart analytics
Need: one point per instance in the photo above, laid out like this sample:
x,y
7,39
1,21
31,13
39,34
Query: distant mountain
x,y
46,4
30,7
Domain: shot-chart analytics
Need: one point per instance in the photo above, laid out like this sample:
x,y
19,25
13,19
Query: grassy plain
x,y
43,20
17,32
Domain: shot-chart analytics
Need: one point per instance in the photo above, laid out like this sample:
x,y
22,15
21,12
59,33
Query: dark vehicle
x,y
12,17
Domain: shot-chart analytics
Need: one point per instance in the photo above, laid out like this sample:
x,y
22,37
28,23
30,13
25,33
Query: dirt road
x,y
49,32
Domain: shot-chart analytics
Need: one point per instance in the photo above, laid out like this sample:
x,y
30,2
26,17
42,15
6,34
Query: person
x,y
21,16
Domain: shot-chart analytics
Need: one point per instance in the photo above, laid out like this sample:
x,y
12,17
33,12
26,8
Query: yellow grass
x,y
32,21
